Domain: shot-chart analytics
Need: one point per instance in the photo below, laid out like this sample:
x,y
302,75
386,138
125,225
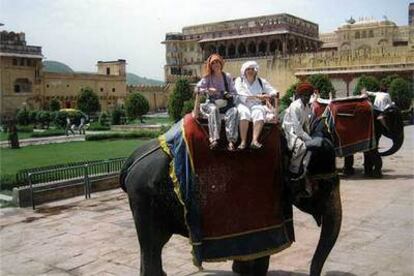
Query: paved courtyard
x,y
97,236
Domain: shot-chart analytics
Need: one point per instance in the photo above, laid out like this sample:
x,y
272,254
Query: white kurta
x,y
296,125
382,100
252,109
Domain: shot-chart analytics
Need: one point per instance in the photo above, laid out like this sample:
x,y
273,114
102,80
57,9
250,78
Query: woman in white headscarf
x,y
252,91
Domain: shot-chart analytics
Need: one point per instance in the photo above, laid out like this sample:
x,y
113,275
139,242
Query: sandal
x,y
231,147
241,147
256,146
214,145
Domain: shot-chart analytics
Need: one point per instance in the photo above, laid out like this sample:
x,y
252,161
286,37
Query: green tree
x,y
23,117
44,118
323,84
88,101
136,105
188,106
401,93
33,117
181,93
117,114
368,82
54,105
286,100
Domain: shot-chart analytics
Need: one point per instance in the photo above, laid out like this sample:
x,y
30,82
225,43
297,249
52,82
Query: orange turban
x,y
304,88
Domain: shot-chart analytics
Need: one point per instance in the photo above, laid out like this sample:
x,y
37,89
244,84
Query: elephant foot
x,y
257,267
348,171
377,174
242,267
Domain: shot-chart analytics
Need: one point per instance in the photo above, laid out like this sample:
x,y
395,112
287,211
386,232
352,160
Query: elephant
x,y
158,213
392,127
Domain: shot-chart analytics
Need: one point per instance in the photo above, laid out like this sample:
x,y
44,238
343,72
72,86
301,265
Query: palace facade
x,y
25,83
289,48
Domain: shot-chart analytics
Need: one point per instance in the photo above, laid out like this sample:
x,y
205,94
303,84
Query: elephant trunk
x,y
397,141
331,225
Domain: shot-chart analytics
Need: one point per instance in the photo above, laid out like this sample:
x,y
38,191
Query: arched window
x,y
222,50
252,48
23,85
273,46
357,34
242,49
262,47
231,50
371,33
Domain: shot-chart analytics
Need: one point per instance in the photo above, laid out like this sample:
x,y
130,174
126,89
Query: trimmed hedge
x,y
47,133
124,135
8,182
96,126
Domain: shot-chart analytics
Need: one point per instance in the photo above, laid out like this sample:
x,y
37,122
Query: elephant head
x,y
392,127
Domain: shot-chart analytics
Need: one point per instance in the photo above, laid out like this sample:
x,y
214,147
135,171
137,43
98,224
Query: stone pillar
x,y
284,45
347,79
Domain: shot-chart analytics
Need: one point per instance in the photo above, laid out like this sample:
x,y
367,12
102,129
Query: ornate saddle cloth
x,y
233,201
351,123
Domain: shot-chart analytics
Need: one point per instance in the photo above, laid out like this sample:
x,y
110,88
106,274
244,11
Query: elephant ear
x,y
144,167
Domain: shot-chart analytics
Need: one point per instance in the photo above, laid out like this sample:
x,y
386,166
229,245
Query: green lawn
x,y
12,161
22,135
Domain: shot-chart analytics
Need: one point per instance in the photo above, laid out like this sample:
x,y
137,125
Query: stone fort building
x,y
288,47
25,83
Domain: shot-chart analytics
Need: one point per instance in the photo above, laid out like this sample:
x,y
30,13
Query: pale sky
x,y
81,32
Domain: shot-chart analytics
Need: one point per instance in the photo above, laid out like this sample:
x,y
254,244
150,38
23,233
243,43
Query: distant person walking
x,y
82,125
68,127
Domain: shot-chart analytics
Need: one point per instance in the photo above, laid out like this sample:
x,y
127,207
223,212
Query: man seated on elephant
x,y
296,125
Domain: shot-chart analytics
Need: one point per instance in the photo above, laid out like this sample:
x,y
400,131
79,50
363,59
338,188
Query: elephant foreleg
x,y
368,167
257,267
349,165
152,235
377,164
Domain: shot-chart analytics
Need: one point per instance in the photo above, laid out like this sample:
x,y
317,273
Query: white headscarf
x,y
249,64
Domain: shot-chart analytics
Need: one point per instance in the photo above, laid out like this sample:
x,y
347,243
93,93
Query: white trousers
x,y
252,112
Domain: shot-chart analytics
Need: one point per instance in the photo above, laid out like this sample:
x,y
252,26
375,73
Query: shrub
x,y
48,133
88,101
180,94
103,119
117,114
96,126
22,117
188,107
286,100
54,105
8,182
401,93
323,84
28,128
386,82
136,106
124,135
33,117
368,82
59,119
44,118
